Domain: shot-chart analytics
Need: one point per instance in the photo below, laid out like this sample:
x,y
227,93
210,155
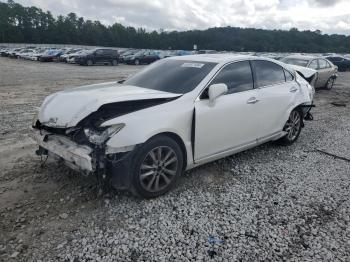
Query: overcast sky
x,y
330,16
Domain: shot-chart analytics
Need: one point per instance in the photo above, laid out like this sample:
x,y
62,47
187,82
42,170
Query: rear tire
x,y
137,62
89,62
155,167
292,127
330,83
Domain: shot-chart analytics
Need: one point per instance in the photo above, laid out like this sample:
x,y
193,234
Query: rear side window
x,y
289,76
322,63
268,73
237,76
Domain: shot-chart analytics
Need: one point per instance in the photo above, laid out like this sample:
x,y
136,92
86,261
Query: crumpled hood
x,y
66,108
307,72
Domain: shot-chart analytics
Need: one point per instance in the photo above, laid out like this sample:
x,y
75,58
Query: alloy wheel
x,y
158,169
293,125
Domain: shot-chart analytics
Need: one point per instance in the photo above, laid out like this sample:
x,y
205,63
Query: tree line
x,y
19,24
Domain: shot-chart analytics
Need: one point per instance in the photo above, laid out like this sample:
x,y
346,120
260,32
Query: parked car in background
x,y
174,115
38,53
64,56
206,52
142,57
13,52
342,62
25,54
71,57
98,56
50,55
4,52
171,53
127,53
326,71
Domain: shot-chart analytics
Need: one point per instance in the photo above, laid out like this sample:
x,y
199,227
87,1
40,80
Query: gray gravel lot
x,y
269,203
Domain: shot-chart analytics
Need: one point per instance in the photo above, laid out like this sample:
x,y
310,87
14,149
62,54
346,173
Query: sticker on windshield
x,y
194,65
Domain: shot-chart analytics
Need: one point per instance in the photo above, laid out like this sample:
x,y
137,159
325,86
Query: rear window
x,y
174,76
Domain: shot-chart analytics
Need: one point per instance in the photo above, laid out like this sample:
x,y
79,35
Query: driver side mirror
x,y
216,91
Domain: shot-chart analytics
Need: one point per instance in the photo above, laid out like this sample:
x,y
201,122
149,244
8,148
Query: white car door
x,y
233,121
276,94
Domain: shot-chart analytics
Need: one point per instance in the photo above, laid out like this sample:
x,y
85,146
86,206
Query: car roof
x,y
217,58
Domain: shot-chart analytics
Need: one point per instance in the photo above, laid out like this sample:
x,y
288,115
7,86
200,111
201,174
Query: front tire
x,y
137,62
292,127
156,166
114,62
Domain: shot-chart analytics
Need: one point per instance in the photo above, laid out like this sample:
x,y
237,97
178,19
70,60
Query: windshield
x,y
295,61
173,76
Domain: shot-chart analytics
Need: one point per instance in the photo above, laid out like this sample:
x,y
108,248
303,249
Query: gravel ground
x,y
268,203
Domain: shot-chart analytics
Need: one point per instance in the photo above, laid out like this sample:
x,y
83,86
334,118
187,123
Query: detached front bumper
x,y
78,157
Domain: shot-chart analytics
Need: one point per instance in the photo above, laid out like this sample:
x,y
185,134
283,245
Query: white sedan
x,y
174,115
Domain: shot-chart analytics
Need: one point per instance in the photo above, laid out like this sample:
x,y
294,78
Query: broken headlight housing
x,y
100,137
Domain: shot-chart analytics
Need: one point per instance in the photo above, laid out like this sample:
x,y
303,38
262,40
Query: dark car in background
x,y
98,56
50,55
341,62
141,57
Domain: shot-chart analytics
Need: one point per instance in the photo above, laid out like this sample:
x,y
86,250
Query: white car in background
x,y
174,115
27,54
70,59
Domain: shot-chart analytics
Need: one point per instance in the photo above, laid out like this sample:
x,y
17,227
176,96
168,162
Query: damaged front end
x,y
84,150
85,147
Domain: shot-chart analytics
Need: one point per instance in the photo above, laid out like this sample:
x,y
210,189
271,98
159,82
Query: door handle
x,y
252,100
293,89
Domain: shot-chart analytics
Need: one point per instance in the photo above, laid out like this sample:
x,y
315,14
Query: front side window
x,y
174,76
268,73
237,76
99,52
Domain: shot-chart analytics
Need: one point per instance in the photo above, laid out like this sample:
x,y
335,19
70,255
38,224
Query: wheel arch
x,y
178,140
300,108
